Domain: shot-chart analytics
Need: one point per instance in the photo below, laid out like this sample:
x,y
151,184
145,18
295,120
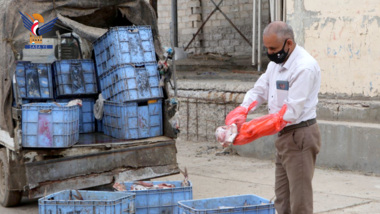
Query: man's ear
x,y
290,42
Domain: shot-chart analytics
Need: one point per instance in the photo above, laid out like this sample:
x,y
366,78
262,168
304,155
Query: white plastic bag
x,y
98,107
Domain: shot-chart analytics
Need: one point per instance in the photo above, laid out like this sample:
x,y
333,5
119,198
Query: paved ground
x,y
216,176
335,192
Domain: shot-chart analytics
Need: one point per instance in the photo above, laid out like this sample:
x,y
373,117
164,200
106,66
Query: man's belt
x,y
299,125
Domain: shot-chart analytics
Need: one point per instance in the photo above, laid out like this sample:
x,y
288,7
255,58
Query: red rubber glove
x,y
266,125
239,115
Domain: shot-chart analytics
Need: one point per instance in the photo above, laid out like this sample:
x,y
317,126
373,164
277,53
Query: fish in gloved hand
x,y
249,131
226,135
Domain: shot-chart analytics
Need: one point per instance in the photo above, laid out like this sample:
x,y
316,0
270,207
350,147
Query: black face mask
x,y
280,56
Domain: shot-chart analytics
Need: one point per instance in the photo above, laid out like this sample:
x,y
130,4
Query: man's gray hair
x,y
281,29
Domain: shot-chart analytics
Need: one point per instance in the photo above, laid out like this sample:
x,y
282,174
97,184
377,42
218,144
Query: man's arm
x,y
258,93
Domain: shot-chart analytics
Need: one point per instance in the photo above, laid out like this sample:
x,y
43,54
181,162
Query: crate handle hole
x,y
139,66
142,103
133,30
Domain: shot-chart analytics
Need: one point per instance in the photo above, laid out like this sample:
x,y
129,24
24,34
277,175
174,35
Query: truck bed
x,y
98,159
100,139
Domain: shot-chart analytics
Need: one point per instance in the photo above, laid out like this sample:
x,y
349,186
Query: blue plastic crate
x,y
75,77
133,120
33,80
46,125
160,200
86,114
124,45
131,83
240,204
94,202
99,125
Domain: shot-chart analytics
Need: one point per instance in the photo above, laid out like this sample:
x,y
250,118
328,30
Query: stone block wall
x,y
218,35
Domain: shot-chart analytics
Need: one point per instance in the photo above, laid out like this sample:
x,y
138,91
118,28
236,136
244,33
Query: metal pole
x,y
175,23
259,36
175,42
279,10
174,76
234,26
254,60
275,10
200,28
284,11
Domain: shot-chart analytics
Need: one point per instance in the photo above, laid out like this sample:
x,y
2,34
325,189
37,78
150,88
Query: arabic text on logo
x,y
32,23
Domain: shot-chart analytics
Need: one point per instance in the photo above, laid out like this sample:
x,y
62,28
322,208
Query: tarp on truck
x,y
87,18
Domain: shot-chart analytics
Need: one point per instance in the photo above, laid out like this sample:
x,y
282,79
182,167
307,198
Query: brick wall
x,y
218,35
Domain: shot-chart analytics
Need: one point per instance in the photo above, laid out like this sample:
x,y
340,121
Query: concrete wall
x,y
344,37
218,35
350,129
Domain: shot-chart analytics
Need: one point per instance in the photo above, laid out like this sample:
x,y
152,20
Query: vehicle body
x,y
96,159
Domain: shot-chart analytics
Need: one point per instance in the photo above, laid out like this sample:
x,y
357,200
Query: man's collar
x,y
291,58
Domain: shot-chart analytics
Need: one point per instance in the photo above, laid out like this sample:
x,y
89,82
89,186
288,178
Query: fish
x,y
138,187
119,187
74,102
141,185
45,111
79,197
145,184
166,186
185,182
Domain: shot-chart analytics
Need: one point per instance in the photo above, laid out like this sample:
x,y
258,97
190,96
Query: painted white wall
x,y
344,36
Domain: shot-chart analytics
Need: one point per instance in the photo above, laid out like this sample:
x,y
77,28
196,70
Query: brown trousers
x,y
295,163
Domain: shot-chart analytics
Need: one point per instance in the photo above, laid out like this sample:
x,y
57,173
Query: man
x,y
292,79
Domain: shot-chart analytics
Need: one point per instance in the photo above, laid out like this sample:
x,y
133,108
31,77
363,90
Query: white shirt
x,y
302,74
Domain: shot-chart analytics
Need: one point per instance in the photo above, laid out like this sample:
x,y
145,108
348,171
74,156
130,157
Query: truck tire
x,y
8,198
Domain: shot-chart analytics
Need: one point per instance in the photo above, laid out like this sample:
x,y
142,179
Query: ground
x,y
335,192
214,175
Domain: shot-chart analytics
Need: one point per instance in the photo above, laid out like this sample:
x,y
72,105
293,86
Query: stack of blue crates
x,y
129,81
44,124
77,79
33,82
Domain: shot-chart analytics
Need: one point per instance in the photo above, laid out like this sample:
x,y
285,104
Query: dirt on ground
x,y
215,173
218,172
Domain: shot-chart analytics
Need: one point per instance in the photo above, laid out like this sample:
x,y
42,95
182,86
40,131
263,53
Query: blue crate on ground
x,y
160,200
133,120
46,125
240,204
131,83
75,77
94,202
124,45
86,114
33,80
